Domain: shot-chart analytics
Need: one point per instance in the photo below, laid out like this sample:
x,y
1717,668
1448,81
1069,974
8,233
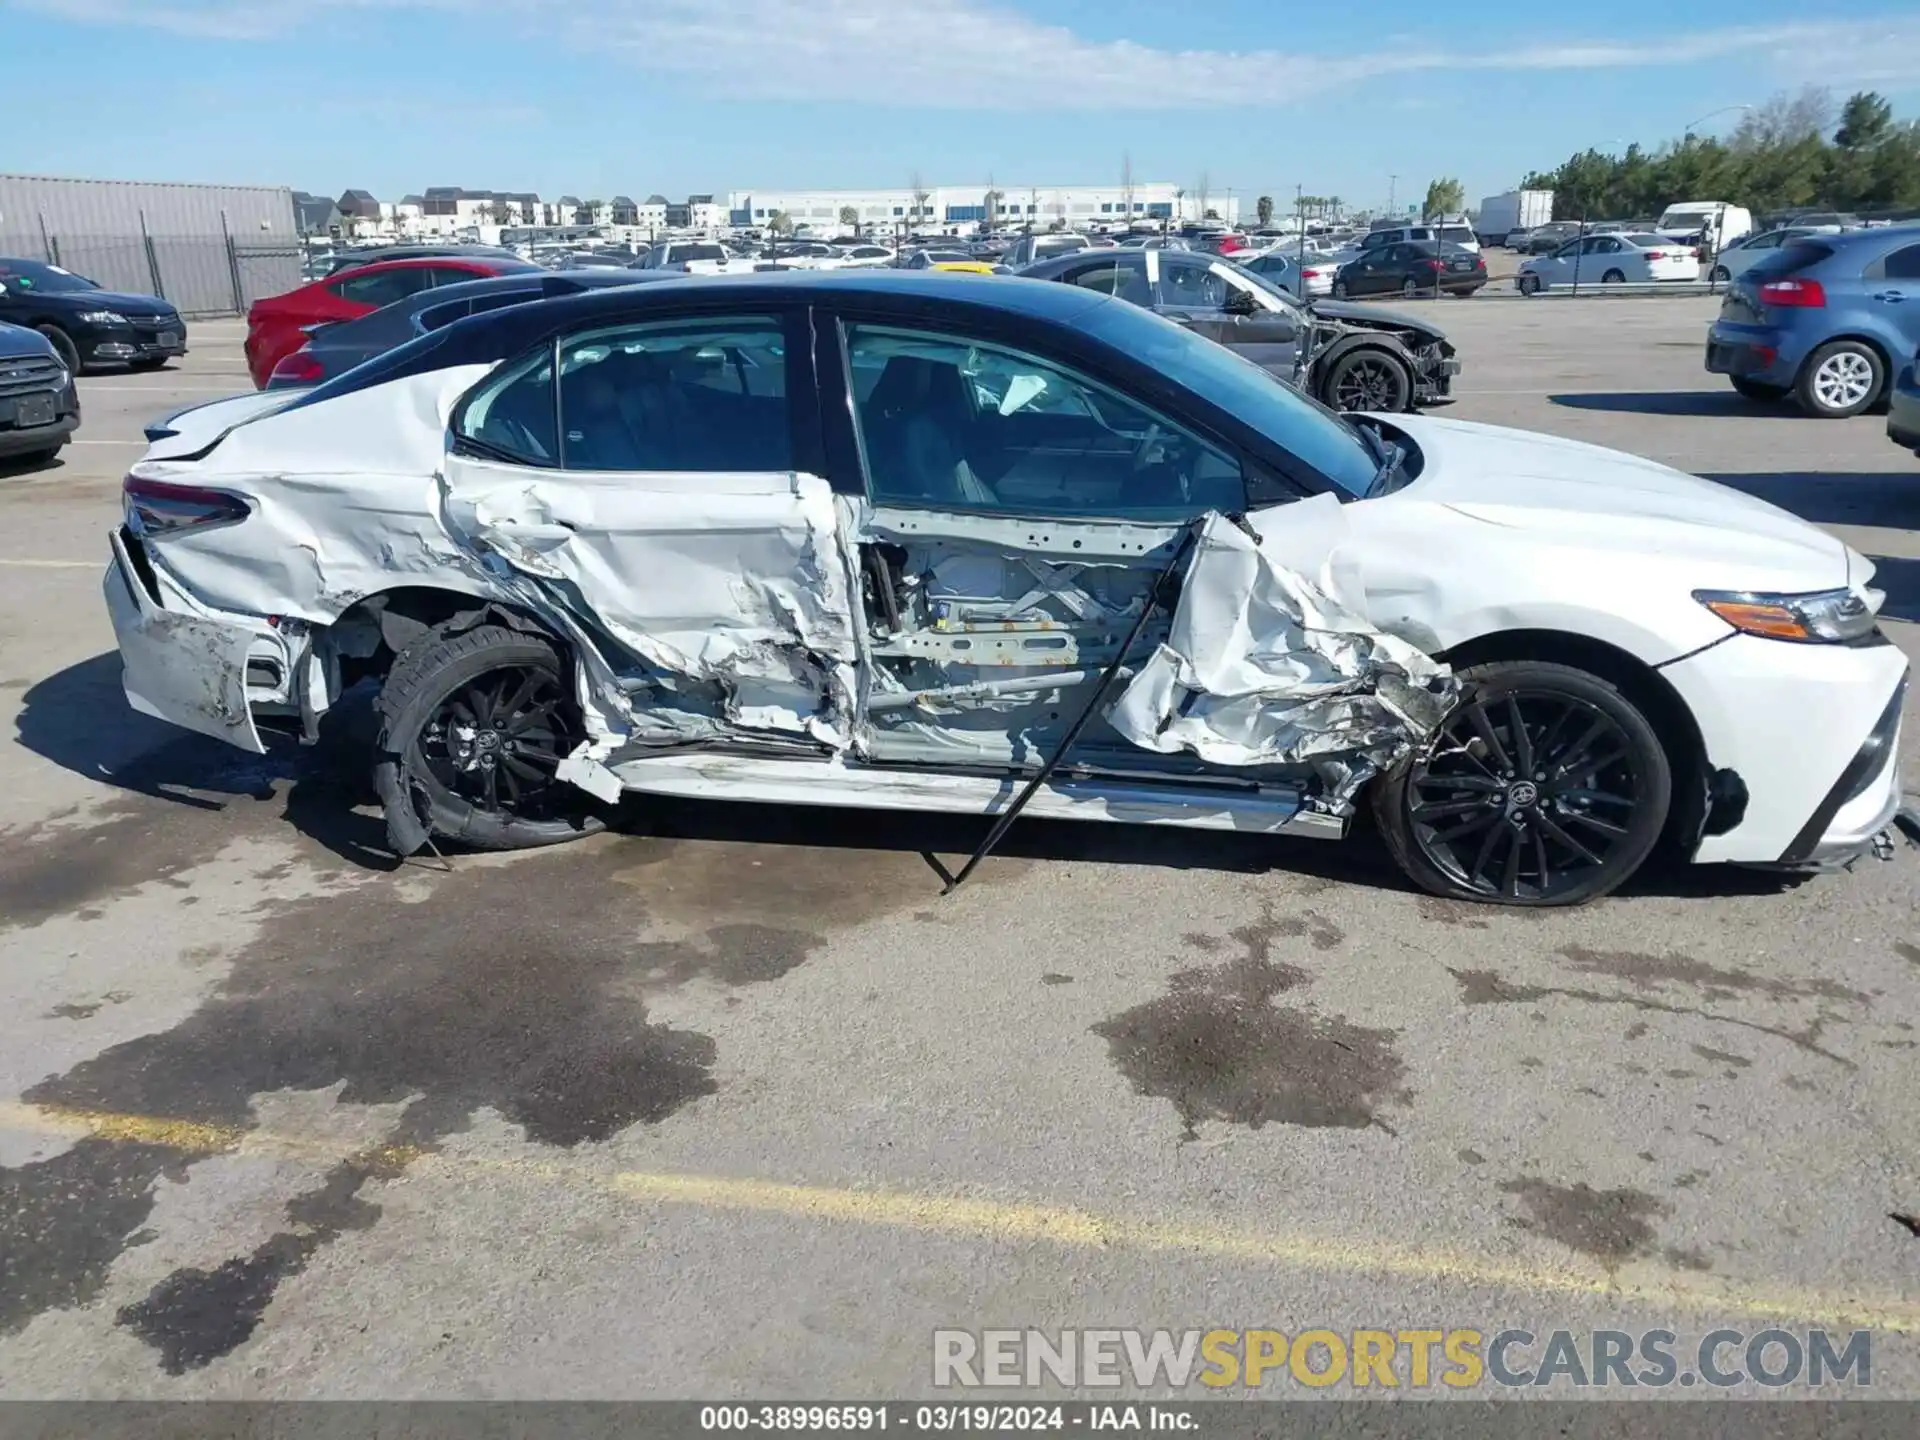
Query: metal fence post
x,y
153,260
46,241
233,266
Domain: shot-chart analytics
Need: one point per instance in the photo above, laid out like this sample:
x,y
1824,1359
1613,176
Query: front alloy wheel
x,y
1368,380
1545,786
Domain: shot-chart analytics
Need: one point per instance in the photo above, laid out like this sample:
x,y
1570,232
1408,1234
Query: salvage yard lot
x,y
749,1109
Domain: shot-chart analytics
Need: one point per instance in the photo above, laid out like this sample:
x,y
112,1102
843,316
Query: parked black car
x,y
85,324
1412,267
1349,357
333,350
39,406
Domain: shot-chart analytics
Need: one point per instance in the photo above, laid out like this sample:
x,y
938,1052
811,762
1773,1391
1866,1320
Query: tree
x,y
850,218
1200,192
1865,120
779,223
1781,160
993,198
1263,208
1211,215
500,212
1785,119
1334,202
920,198
1444,197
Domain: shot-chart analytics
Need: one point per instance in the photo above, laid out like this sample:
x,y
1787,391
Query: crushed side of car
x,y
764,616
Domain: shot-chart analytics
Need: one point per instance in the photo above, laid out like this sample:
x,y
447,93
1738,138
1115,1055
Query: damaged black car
x,y
1349,357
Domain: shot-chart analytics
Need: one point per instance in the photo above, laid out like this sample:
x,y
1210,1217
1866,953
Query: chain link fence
x,y
204,277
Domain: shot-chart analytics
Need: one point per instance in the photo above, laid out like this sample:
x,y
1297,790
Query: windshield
x,y
683,253
44,279
1252,396
1247,275
1684,219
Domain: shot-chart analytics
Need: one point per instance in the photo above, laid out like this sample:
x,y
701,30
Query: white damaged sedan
x,y
916,542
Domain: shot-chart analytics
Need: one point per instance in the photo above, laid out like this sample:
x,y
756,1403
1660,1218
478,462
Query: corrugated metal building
x,y
210,249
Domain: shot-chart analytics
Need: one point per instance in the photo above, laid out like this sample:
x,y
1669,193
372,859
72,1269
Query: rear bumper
x,y
190,670
1813,732
1752,353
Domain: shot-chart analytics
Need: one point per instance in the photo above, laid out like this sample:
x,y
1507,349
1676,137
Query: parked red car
x,y
278,326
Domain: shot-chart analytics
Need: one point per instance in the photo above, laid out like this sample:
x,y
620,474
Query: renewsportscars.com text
x,y
1364,1359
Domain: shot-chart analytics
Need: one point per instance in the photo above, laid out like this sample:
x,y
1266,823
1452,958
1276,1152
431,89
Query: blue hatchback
x,y
1826,318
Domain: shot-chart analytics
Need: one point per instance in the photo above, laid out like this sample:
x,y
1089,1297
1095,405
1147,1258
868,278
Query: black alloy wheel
x,y
1368,380
496,742
1544,786
473,726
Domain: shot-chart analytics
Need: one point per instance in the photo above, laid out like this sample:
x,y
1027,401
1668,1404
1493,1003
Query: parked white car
x,y
696,257
1460,234
1609,260
877,539
1750,249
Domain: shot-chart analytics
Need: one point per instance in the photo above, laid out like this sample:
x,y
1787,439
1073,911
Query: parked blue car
x,y
1829,319
1903,407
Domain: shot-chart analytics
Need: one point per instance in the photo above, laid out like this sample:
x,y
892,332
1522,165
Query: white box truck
x,y
1500,215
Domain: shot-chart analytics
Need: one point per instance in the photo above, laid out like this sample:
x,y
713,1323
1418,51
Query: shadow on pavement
x,y
79,719
1885,498
1666,402
1899,576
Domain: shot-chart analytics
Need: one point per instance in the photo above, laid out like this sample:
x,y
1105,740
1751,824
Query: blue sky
x,y
596,97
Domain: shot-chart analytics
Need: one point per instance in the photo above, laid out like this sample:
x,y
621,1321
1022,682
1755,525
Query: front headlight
x,y
101,317
1825,617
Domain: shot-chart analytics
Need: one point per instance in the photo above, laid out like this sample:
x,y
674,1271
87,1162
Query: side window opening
x,y
949,424
692,396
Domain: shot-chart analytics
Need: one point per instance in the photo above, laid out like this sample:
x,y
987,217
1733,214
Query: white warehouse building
x,y
954,208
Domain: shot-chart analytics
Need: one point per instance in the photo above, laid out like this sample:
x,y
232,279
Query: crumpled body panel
x,y
1264,665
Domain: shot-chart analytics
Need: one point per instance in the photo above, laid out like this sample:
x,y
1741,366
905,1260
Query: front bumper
x,y
1903,411
61,409
190,670
129,344
1813,732
1433,378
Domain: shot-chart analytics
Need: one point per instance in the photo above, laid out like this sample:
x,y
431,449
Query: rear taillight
x,y
1309,274
1656,254
162,507
1794,294
299,368
1434,264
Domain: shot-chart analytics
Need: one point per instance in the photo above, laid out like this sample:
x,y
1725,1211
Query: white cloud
x,y
967,53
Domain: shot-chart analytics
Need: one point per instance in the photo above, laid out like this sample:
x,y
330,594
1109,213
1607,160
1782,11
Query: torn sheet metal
x,y
1264,666
731,590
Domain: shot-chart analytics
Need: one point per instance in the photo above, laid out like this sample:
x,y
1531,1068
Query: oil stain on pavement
x,y
1218,1048
515,985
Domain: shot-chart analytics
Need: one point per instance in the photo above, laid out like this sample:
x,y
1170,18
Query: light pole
x,y
1723,110
1392,180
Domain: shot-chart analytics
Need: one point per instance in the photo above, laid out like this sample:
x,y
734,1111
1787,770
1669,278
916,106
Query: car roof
x,y
908,294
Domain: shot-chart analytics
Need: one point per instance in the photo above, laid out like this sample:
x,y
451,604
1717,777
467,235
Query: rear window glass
x,y
1791,258
698,252
1457,234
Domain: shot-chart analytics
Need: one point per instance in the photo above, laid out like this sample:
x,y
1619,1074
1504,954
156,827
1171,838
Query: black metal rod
x,y
1012,812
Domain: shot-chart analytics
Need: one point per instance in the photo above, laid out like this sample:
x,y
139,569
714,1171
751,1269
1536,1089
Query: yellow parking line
x,y
1064,1226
